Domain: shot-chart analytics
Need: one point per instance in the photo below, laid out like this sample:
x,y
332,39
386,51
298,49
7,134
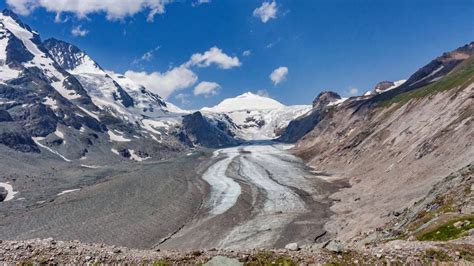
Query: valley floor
x,y
257,195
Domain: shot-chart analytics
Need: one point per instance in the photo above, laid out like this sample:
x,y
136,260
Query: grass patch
x,y
461,77
436,254
448,231
270,258
161,263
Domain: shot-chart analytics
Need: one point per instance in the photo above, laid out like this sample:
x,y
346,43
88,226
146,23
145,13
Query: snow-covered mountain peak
x,y
246,101
72,58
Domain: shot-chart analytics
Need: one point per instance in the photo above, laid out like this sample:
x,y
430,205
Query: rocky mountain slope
x,y
56,99
393,146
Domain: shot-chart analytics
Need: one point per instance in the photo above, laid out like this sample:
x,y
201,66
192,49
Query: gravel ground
x,y
134,205
59,252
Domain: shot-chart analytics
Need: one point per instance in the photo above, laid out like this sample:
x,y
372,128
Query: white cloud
x,y
263,93
114,9
266,11
206,88
182,77
213,56
247,53
148,56
182,98
164,84
79,32
353,91
278,75
200,2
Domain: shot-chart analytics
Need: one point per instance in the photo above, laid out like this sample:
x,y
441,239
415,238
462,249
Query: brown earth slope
x,y
396,146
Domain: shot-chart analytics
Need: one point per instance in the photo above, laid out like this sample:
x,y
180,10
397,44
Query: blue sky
x,y
324,44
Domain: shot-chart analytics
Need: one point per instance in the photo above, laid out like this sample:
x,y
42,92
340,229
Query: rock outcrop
x,y
299,127
201,131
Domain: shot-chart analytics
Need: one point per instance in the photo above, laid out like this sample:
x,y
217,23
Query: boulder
x,y
324,98
5,116
221,260
382,86
334,246
292,246
202,132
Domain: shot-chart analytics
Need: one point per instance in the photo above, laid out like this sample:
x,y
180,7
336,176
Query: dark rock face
x,y
324,98
17,52
38,120
70,54
201,132
15,137
3,194
299,127
126,100
125,153
5,116
383,85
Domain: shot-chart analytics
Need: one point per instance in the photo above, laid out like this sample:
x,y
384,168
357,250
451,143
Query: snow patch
x,y
96,117
37,141
134,156
68,191
115,137
337,102
90,166
114,151
52,103
9,189
59,133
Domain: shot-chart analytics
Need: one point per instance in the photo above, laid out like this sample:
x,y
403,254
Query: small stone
x,y
334,246
458,224
292,246
221,260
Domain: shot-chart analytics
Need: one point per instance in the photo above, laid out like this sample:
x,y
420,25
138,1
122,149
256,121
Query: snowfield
x,y
256,117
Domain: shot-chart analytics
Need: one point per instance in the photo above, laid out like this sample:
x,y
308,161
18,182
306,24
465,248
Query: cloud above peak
x,y
182,77
206,88
214,56
266,11
278,75
79,31
164,84
114,9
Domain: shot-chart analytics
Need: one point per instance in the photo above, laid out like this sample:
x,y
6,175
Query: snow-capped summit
x,y
104,91
71,57
246,101
251,116
108,90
